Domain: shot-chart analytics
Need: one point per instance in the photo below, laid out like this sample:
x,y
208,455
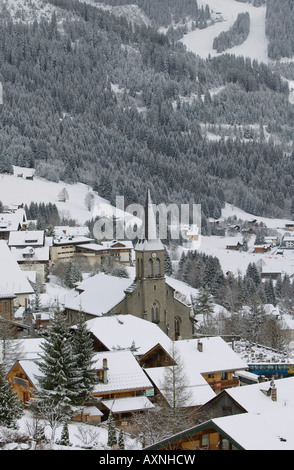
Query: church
x,y
150,295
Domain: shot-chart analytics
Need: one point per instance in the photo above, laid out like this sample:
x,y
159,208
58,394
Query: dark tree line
x,y
235,36
279,28
105,103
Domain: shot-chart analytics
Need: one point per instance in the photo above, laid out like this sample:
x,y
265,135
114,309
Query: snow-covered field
x,y
15,190
81,436
200,41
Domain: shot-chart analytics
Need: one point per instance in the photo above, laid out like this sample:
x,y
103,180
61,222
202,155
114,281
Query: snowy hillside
x,y
200,41
15,190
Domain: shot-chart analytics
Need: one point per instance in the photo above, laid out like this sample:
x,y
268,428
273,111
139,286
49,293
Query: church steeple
x,y
149,250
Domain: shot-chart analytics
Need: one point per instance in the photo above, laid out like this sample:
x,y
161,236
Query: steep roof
x,y
123,331
216,356
12,278
124,372
100,294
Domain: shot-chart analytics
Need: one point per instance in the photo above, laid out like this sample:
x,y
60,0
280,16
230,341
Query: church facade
x,y
150,296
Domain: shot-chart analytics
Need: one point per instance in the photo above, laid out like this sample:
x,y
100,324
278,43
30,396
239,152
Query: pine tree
x,y
64,439
10,406
112,440
72,274
84,353
60,379
168,268
121,443
203,304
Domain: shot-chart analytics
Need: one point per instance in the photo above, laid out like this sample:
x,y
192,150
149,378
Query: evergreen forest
x,y
89,96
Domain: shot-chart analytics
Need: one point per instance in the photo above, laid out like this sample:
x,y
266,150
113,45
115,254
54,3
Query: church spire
x,y
150,232
149,239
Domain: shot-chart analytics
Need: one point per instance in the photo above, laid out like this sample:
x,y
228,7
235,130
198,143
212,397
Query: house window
x,y
224,376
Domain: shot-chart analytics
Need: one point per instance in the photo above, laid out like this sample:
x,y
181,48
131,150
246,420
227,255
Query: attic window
x,y
31,241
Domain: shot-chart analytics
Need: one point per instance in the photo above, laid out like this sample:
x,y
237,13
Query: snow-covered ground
x,y
200,41
15,190
81,436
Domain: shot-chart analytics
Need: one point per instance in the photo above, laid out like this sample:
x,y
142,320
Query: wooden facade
x,y
21,383
206,436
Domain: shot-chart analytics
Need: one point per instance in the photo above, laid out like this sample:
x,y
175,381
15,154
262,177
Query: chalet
x,y
122,251
12,278
255,398
23,172
24,239
237,247
34,259
32,251
209,365
270,273
6,303
261,248
253,417
122,386
12,222
117,332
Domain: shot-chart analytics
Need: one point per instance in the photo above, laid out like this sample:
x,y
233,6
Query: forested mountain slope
x,y
89,97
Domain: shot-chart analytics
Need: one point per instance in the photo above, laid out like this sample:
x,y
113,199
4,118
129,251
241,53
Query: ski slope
x,y
200,41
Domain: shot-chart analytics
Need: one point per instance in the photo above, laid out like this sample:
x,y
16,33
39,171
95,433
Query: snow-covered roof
x,y
100,294
62,230
71,240
216,355
128,404
253,400
35,254
199,390
4,294
32,370
23,171
260,431
125,331
124,373
26,238
12,221
149,245
12,278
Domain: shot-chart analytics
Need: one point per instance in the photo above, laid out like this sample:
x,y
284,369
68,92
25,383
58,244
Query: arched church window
x,y
155,313
150,268
157,267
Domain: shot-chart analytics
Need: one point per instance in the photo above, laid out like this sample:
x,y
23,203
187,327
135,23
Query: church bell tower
x,y
149,250
150,274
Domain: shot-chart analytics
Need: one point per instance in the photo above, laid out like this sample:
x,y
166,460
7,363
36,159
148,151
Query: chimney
x,y
200,346
105,369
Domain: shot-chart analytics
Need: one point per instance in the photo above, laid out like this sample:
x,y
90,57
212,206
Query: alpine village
x,y
119,119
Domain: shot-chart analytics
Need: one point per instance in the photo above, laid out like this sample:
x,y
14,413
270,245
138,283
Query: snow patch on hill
x,y
200,41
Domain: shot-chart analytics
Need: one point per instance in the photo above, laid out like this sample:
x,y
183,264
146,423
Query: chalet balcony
x,y
219,385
